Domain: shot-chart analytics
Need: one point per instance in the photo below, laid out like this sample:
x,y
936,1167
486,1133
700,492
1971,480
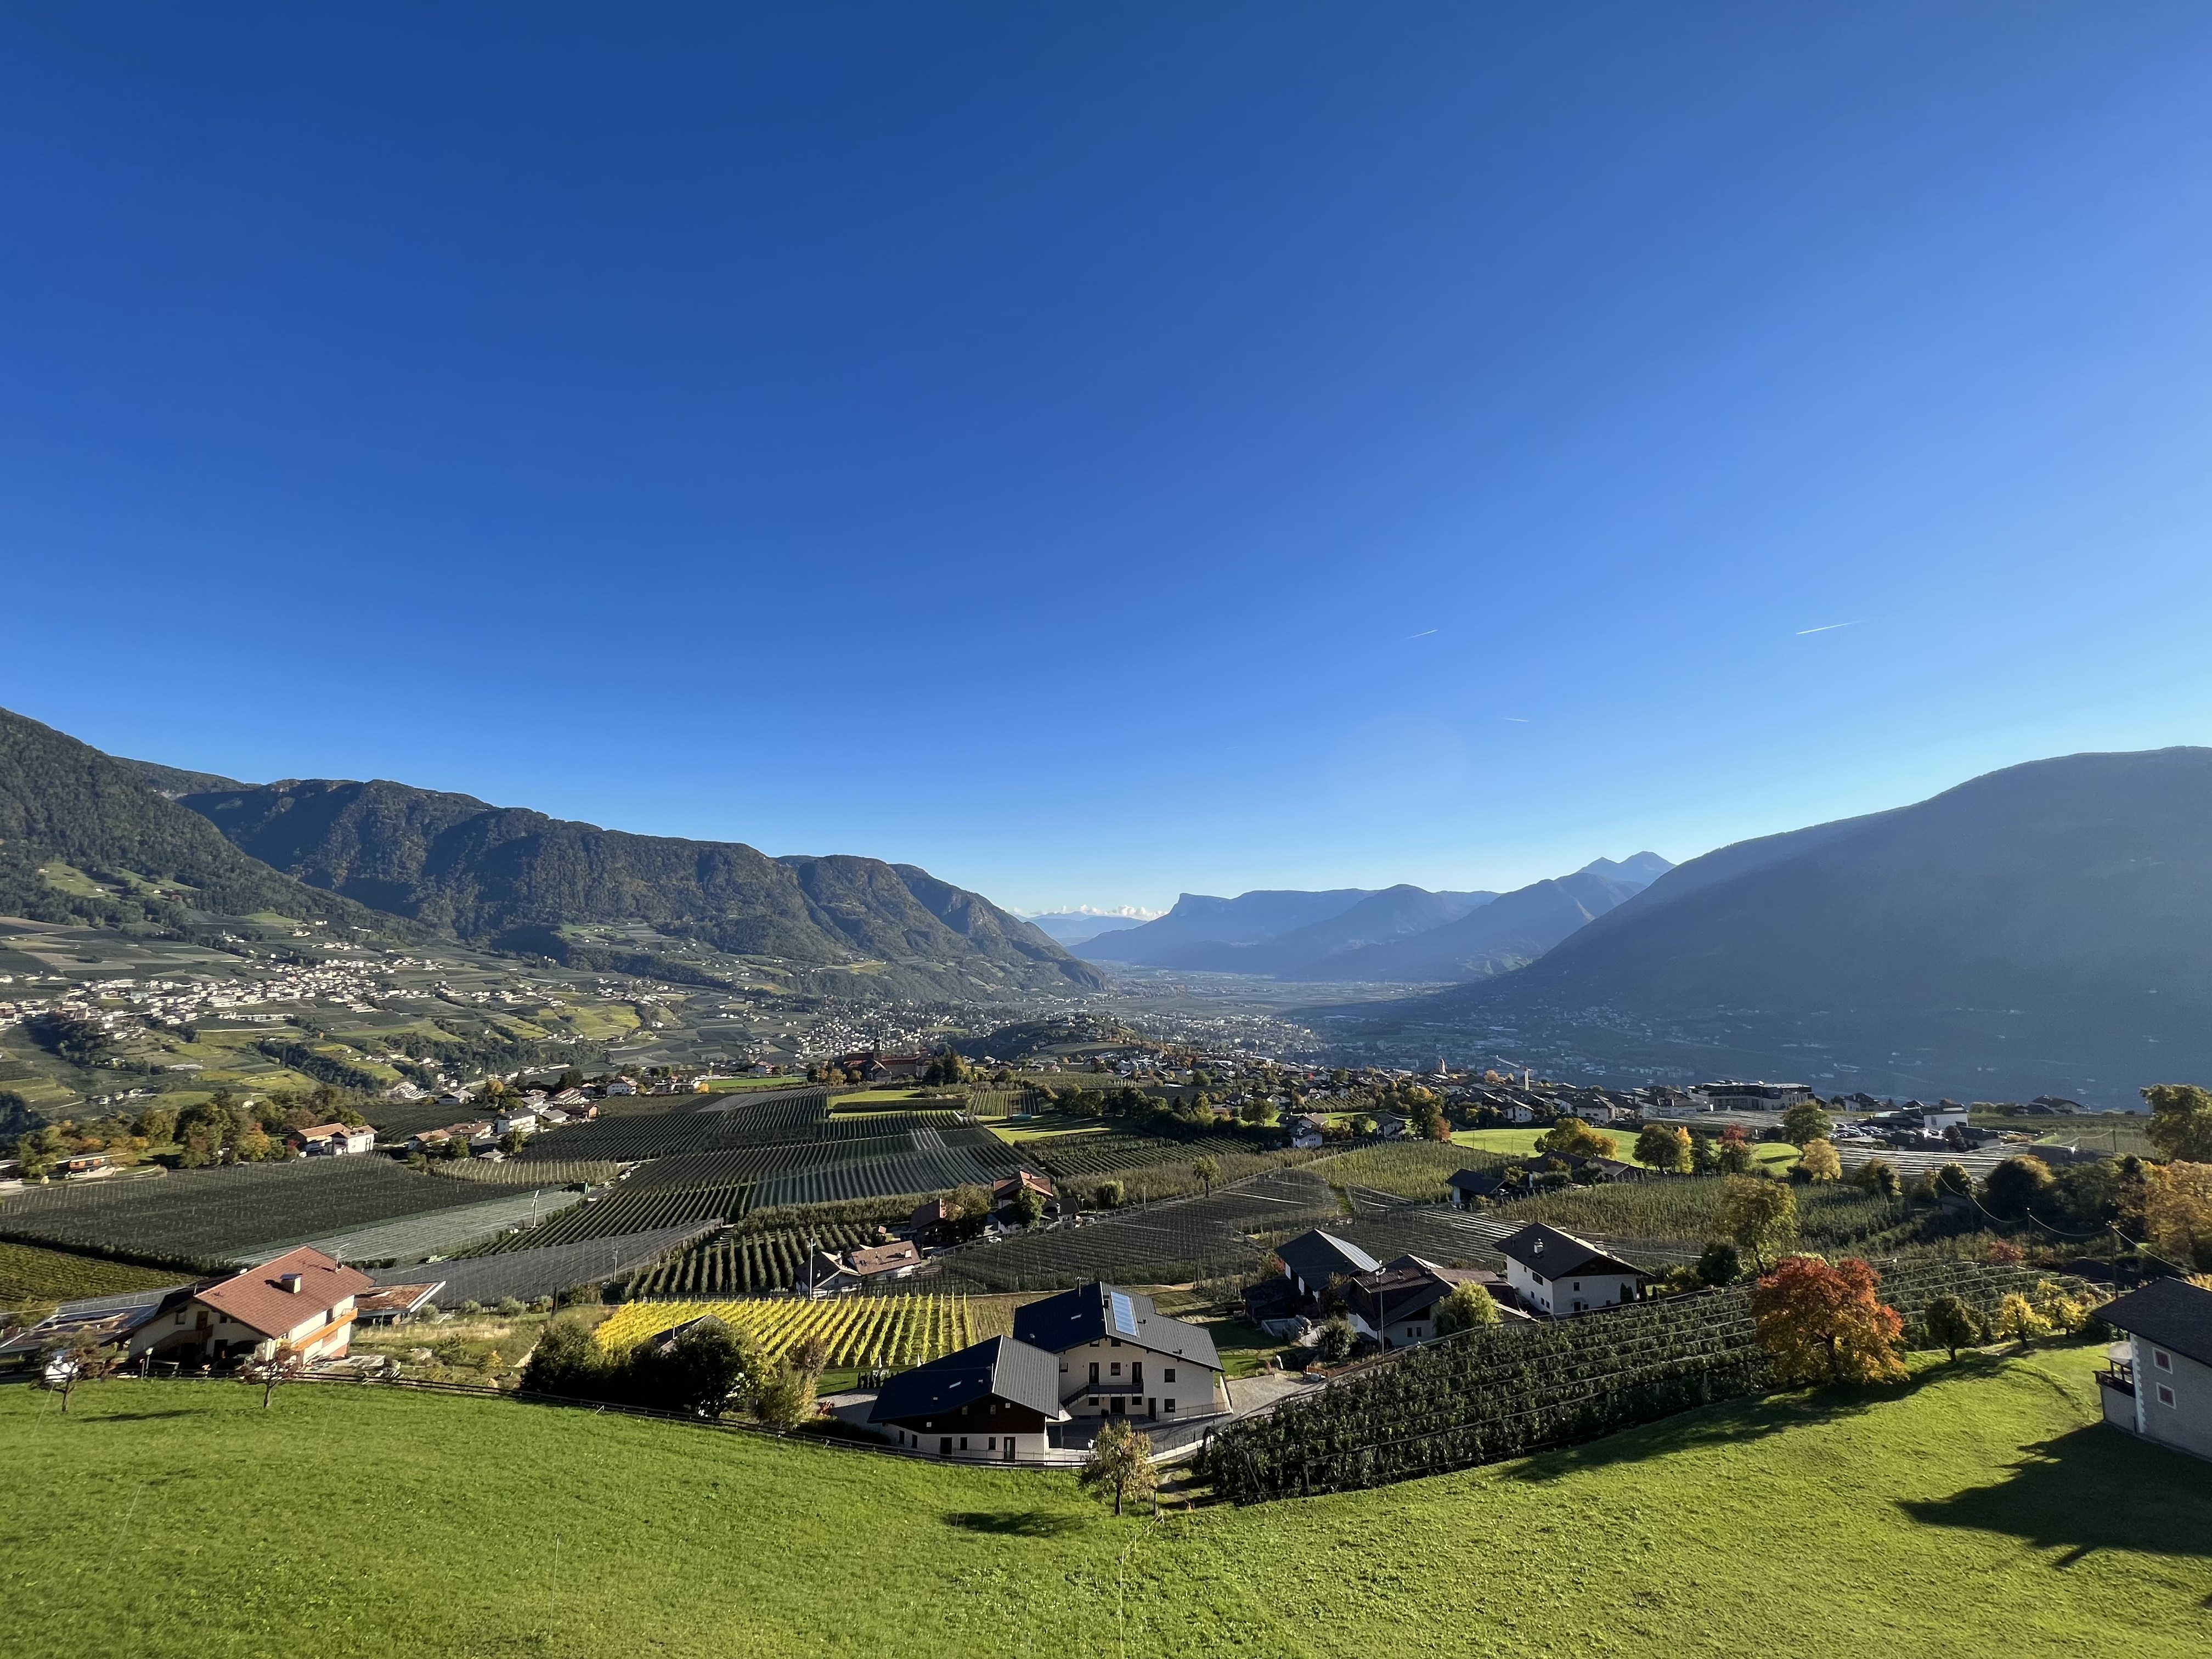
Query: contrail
x,y
1825,628
1424,633
1515,718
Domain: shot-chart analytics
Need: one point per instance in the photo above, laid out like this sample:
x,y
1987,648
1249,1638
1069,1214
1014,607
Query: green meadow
x,y
1982,1509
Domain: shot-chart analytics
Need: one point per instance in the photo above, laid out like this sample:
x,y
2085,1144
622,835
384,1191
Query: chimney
x,y
293,1283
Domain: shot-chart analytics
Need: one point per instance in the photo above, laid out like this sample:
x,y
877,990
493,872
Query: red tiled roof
x,y
882,1258
257,1299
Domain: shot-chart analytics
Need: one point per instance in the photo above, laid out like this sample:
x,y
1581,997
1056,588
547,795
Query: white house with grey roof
x,y
2163,1390
1558,1274
1119,1356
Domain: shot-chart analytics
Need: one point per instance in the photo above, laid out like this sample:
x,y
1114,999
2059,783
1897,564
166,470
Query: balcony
x,y
2118,1375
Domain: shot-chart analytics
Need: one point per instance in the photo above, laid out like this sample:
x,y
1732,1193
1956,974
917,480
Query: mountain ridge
x,y
2043,928
514,878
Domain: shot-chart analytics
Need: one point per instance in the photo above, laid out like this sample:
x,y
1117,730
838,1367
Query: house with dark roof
x,y
1397,1304
1471,1187
2163,1390
988,1403
1557,1274
1314,1258
299,1305
1117,1355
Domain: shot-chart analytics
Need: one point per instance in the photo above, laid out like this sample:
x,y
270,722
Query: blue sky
x,y
1101,452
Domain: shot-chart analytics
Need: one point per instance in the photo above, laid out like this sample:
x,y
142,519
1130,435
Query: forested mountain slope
x,y
511,877
87,838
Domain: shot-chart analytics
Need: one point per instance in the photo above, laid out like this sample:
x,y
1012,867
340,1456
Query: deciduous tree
x,y
1665,1147
1722,1263
1807,1119
1952,1325
2171,1204
1823,1322
2181,1120
1758,1214
2017,1185
1572,1138
1468,1307
1817,1160
1120,1462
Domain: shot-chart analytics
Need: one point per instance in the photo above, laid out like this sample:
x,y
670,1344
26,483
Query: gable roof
x,y
1479,1182
1553,1254
2170,1312
1088,1314
998,1367
883,1258
1317,1257
257,1300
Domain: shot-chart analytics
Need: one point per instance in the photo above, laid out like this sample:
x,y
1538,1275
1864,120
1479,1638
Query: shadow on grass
x,y
2094,1488
1735,1422
1017,1523
135,1417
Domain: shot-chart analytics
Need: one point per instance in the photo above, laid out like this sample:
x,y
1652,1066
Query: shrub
x,y
1722,1263
1336,1341
1469,1307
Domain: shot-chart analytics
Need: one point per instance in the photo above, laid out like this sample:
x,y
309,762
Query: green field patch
x,y
31,1277
1051,1125
1984,1510
1511,1143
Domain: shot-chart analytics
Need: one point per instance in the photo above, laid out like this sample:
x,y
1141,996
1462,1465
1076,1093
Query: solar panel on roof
x,y
1125,1313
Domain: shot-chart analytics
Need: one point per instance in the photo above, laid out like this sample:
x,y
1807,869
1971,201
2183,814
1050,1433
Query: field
x,y
31,1277
1981,1510
1509,1143
896,1330
743,1260
204,1217
1405,1169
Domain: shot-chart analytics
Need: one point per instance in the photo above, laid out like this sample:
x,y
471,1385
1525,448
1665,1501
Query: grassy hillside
x,y
1984,1511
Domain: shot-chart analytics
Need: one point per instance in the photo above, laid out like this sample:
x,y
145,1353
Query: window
x,y
994,1445
2165,1394
963,1442
1167,1376
945,1447
2158,1358
1093,1400
1117,1368
1170,1404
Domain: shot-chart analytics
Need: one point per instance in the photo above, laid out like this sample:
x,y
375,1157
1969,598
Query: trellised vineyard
x,y
737,1262
892,1331
1514,1389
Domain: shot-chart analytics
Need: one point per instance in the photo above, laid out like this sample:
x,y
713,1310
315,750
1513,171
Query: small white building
x,y
332,1140
1556,1273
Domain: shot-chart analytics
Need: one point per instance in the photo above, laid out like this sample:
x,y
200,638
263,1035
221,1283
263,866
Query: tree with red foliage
x,y
1822,1322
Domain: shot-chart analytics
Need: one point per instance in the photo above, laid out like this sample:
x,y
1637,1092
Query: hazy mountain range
x,y
1401,934
1072,928
86,836
2045,928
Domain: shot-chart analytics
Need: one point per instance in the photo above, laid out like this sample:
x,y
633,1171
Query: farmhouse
x,y
1314,1258
1397,1304
989,1403
299,1304
1733,1096
1557,1273
871,1264
1470,1186
2163,1390
332,1139
1118,1356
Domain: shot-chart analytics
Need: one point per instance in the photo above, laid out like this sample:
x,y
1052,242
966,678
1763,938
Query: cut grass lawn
x,y
1513,1143
1984,1510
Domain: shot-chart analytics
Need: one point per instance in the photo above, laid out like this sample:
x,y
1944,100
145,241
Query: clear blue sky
x,y
1100,451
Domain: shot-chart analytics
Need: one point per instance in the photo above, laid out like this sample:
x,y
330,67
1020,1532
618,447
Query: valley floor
x,y
1982,1510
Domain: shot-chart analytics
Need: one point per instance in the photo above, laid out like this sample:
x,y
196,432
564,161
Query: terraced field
x,y
204,1218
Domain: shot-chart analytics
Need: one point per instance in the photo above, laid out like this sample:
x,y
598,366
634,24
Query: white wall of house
x,y
1573,1294
2174,1398
1182,1388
